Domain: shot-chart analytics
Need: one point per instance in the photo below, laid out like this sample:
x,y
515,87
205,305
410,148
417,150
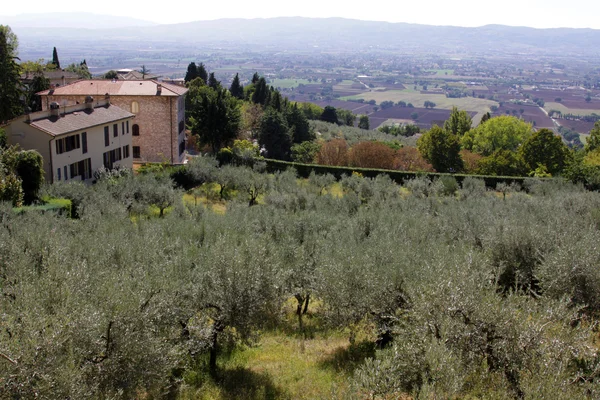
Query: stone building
x,y
158,129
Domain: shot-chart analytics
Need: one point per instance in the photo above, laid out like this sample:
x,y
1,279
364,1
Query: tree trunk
x,y
306,304
212,363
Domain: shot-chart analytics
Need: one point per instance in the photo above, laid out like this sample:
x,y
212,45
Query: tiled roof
x,y
79,120
115,88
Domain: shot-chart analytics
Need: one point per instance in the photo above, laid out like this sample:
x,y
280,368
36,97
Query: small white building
x,y
76,140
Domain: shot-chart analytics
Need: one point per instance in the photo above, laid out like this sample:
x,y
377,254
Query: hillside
x,y
327,33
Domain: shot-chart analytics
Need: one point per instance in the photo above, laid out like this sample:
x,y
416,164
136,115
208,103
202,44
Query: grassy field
x,y
481,106
442,72
287,83
594,108
284,364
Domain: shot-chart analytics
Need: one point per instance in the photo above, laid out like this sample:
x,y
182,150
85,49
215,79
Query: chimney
x,y
54,109
89,103
158,89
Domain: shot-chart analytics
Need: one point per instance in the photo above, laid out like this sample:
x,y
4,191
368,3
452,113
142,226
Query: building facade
x,y
158,129
77,140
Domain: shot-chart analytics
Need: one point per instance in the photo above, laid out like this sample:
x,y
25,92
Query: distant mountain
x,y
72,20
333,34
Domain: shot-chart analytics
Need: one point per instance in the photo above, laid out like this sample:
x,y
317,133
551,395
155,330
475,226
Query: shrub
x,y
334,152
371,155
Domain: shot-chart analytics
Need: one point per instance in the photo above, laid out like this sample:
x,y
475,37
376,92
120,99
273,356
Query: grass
x,y
283,364
442,72
288,83
594,108
417,99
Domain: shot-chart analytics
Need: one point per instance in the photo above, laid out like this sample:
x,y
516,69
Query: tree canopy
x,y
441,149
10,79
498,133
544,149
459,122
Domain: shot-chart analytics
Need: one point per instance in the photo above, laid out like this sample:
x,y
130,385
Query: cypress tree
x,y
55,59
255,78
202,72
236,89
192,72
213,82
10,82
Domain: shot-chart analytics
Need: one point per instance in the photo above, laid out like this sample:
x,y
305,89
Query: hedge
x,y
399,177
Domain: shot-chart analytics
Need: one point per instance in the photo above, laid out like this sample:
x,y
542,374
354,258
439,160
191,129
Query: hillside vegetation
x,y
369,289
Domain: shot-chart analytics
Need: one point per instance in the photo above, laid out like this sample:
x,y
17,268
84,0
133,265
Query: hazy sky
x,y
534,13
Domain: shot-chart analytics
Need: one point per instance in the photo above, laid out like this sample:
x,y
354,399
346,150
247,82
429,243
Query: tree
x,y
80,69
275,135
498,133
55,58
486,117
329,115
213,82
459,122
545,149
255,78
409,159
441,149
429,104
236,89
112,74
305,152
38,84
500,163
214,116
593,141
261,92
10,79
363,122
202,73
371,155
334,152
192,72
144,71
298,123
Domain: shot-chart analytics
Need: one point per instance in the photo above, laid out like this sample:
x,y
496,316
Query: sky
x,y
532,13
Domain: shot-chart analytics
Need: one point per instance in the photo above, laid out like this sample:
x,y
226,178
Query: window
x,y
66,176
58,173
84,142
67,144
136,152
126,151
181,147
181,126
135,107
82,168
106,137
115,130
127,124
136,130
110,157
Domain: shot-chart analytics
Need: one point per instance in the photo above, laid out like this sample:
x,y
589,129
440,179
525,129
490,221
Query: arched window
x,y
135,107
135,130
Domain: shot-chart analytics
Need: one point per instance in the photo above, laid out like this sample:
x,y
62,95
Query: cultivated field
x,y
584,109
531,114
287,83
479,106
426,117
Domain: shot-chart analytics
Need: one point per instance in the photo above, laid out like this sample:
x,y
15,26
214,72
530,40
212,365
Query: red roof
x,y
116,88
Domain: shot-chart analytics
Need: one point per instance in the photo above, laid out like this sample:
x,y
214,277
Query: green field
x,y
441,72
417,99
287,83
594,108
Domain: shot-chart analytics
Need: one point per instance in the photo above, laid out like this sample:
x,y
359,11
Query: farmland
x,y
479,106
